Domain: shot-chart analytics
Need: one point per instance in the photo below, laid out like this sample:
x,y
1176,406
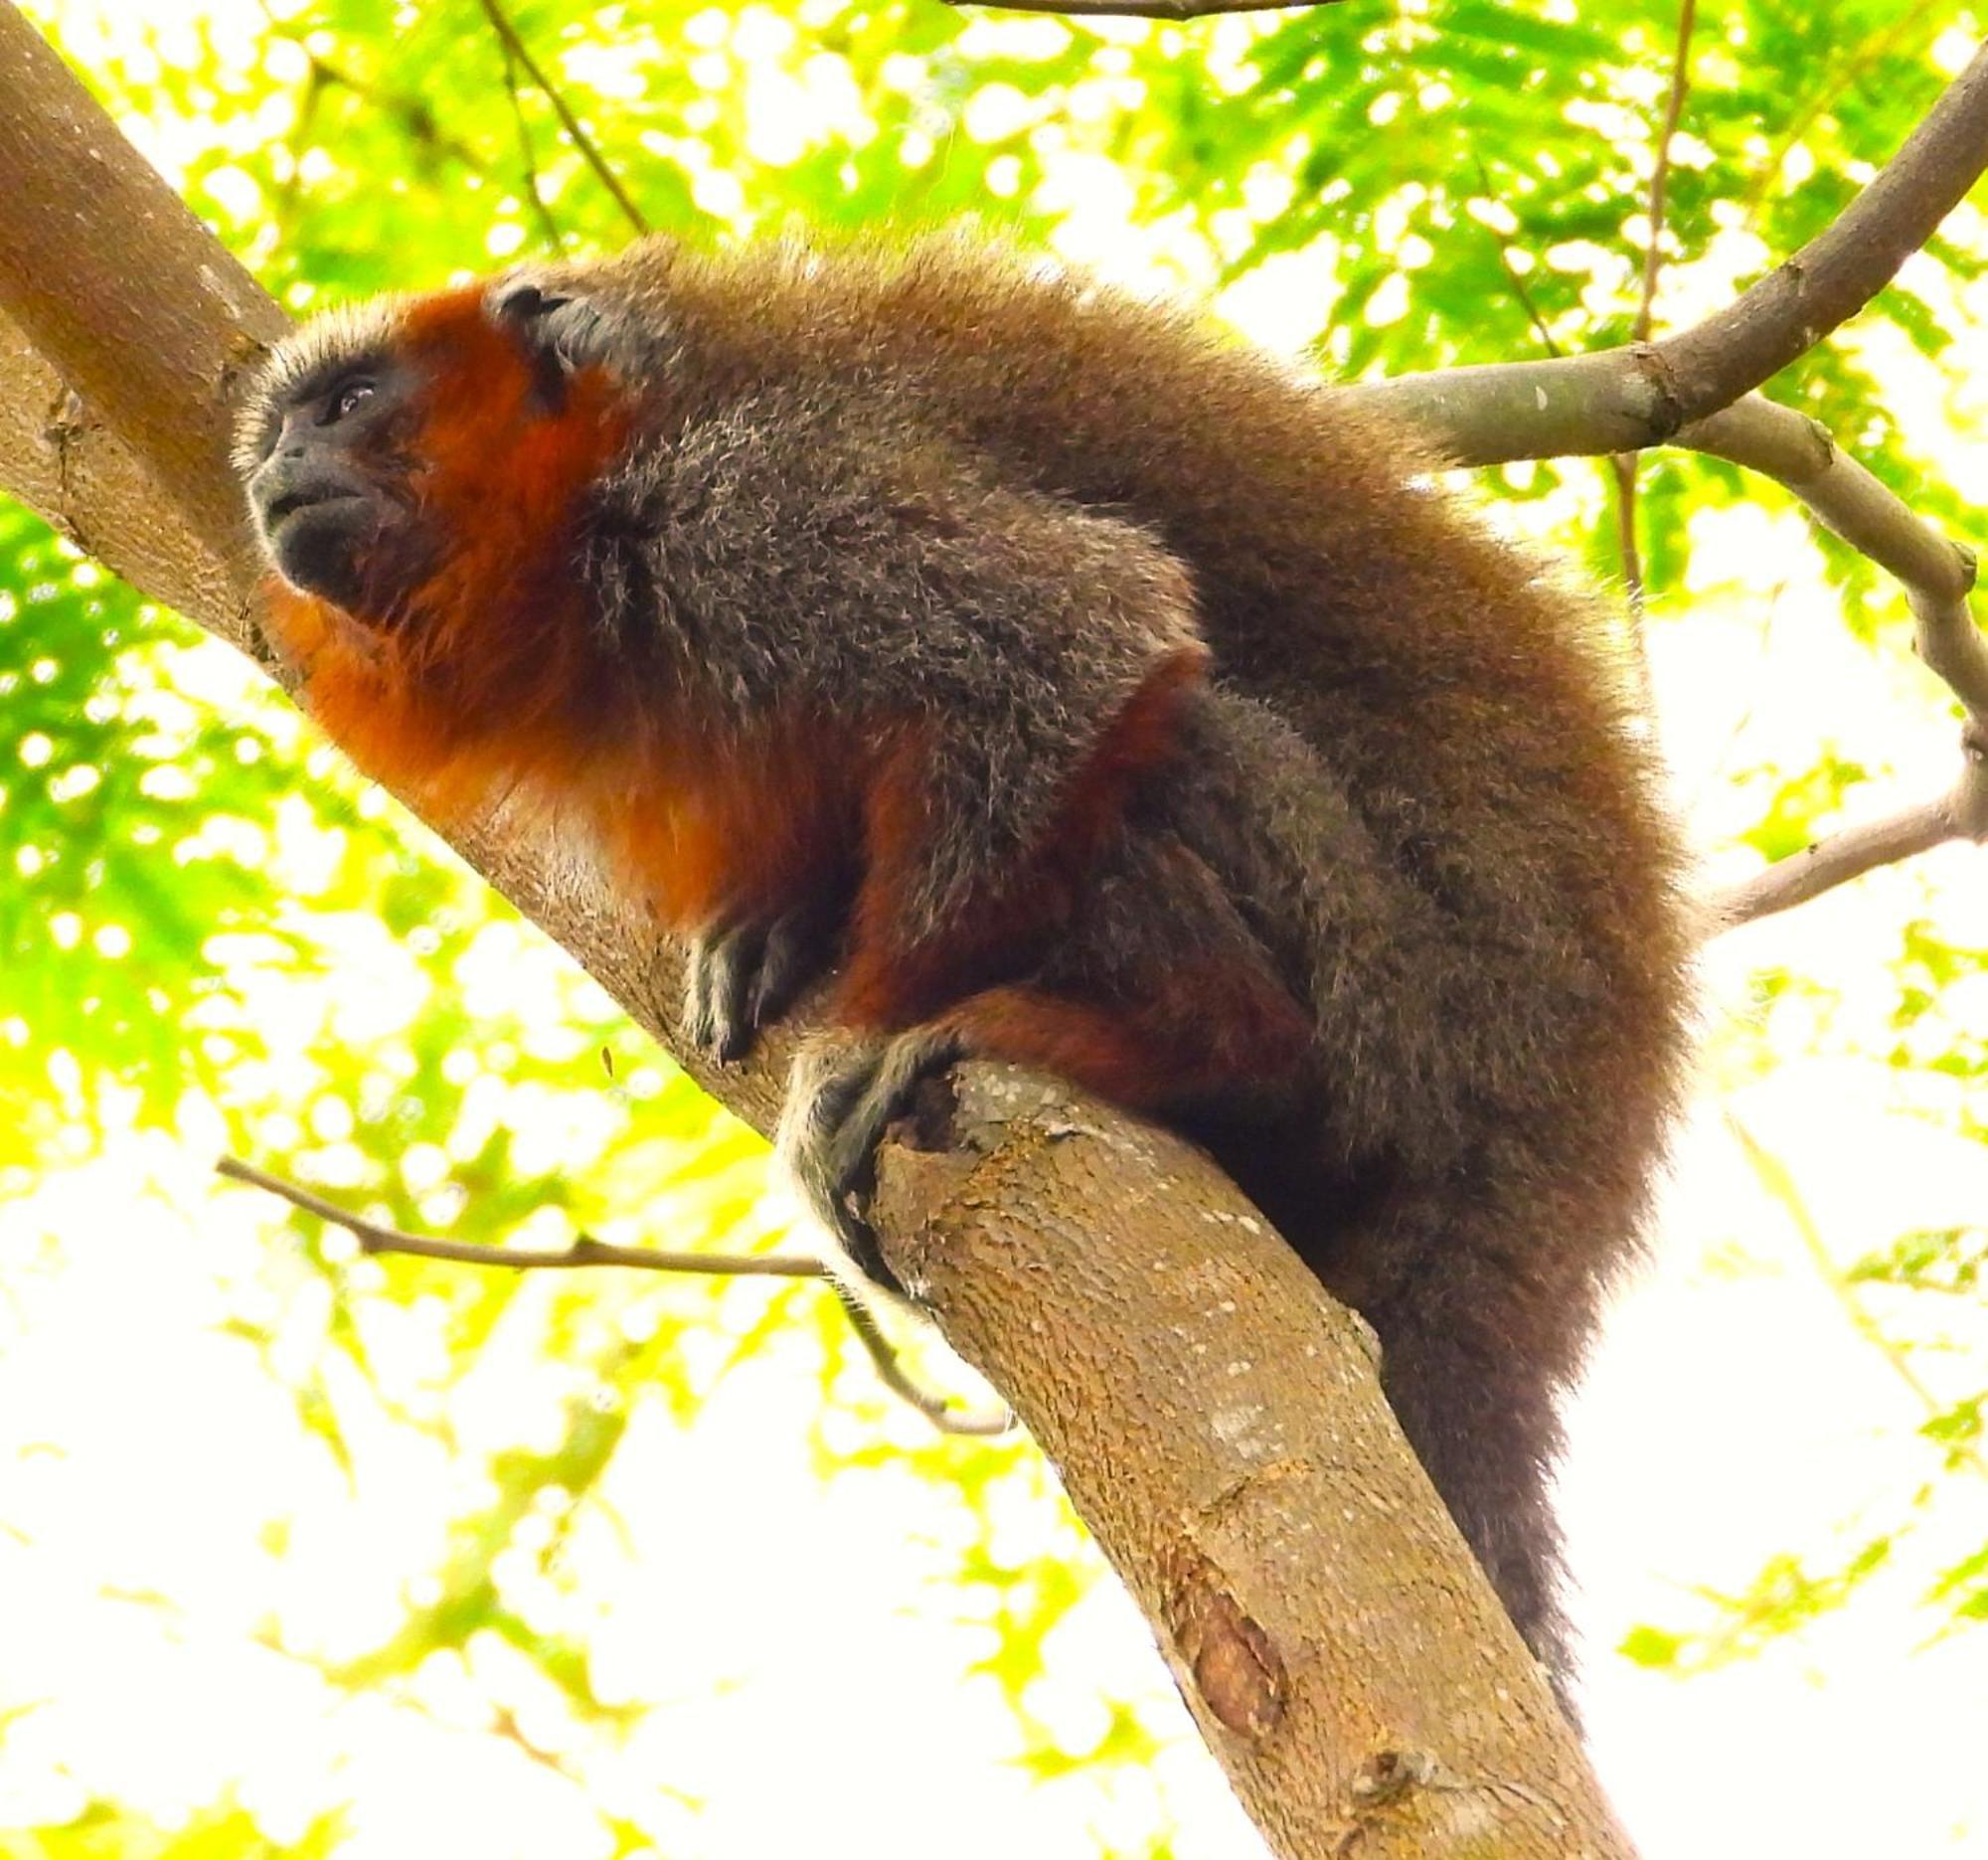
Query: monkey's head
x,y
412,454
418,469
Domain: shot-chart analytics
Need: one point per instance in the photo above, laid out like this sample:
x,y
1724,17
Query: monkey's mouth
x,y
320,537
311,497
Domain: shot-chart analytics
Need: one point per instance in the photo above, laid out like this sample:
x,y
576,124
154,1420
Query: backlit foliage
x,y
442,1537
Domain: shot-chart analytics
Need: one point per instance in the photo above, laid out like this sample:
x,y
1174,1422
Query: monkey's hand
x,y
845,1092
743,975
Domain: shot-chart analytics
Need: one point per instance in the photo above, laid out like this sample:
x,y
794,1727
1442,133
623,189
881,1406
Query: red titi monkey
x,y
1095,694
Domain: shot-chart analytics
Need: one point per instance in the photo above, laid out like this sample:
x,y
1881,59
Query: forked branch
x,y
1694,389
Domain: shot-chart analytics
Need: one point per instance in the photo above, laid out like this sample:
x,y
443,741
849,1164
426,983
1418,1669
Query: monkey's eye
x,y
346,398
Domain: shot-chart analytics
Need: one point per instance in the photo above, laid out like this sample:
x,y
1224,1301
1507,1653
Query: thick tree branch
x,y
1216,1419
153,355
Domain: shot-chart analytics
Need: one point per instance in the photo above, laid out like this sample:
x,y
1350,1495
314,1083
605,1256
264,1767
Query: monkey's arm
x,y
962,678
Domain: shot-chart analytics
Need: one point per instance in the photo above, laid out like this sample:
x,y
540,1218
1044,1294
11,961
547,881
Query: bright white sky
x,y
1732,1413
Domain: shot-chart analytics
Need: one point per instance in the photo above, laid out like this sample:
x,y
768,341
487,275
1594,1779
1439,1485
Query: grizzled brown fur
x,y
1099,693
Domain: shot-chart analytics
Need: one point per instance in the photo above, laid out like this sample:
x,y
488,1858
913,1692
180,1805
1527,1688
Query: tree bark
x,y
1217,1419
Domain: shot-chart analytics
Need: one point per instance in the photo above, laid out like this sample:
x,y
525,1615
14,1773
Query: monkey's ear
x,y
527,303
552,328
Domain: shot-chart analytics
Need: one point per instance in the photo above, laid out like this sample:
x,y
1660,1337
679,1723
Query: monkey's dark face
x,y
413,460
330,491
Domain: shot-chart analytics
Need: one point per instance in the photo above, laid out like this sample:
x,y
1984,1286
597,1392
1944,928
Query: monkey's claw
x,y
844,1094
744,976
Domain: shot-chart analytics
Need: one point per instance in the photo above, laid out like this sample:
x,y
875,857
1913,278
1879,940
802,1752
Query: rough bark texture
x,y
1217,1419
1218,1424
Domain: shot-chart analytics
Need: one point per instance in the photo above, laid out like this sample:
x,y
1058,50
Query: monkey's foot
x,y
744,976
845,1092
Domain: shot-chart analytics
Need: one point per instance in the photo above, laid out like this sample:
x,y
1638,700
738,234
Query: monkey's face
x,y
331,491
415,463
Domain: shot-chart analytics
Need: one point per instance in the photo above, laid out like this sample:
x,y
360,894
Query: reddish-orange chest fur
x,y
485,680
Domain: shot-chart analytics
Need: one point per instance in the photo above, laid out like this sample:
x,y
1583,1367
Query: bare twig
x,y
1622,469
586,1251
1623,465
1959,814
889,1371
500,23
1515,277
1660,172
527,156
583,1251
1937,575
415,114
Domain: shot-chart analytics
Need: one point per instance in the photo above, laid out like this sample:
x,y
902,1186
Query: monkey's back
x,y
1470,710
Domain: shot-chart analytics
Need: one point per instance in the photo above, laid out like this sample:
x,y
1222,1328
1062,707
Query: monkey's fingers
x,y
845,1092
797,949
744,974
716,981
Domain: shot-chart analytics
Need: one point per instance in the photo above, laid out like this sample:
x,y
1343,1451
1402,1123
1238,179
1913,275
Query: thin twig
x,y
1936,574
415,114
1625,464
527,156
500,23
1660,173
585,1251
1959,814
1513,276
889,1371
1622,468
